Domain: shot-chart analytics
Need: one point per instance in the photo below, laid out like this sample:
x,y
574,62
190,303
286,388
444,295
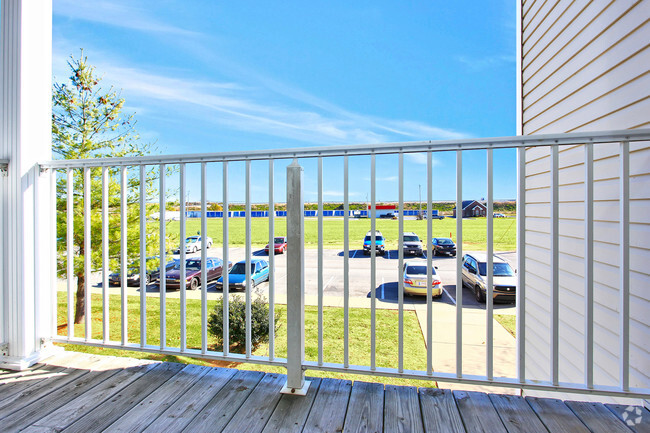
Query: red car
x,y
214,267
279,245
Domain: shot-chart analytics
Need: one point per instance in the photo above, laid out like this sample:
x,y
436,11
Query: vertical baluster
x,y
521,264
123,254
249,284
555,274
271,263
459,263
346,264
163,258
70,251
204,255
143,257
400,252
226,289
87,255
320,261
429,264
373,265
589,265
105,257
624,276
181,250
490,270
53,251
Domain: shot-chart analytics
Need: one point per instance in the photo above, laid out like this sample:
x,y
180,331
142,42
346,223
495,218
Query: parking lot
x,y
387,275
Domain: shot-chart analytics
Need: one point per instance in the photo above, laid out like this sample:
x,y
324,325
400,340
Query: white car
x,y
193,244
504,281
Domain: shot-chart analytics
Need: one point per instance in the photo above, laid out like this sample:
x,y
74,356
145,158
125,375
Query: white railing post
x,y
25,136
296,383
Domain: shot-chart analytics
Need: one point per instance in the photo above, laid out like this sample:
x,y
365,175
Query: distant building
x,y
472,208
384,210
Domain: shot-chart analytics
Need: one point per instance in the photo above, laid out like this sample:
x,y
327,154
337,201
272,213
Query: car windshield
x,y
418,270
377,237
498,269
411,239
193,265
190,240
279,240
444,241
240,268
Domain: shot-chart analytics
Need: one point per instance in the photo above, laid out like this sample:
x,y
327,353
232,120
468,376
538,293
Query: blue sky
x,y
206,76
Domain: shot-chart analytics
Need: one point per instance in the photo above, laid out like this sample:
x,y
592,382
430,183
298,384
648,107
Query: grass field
x,y
474,231
359,334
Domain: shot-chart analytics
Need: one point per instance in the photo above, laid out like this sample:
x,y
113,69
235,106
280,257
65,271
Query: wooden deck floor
x,y
83,393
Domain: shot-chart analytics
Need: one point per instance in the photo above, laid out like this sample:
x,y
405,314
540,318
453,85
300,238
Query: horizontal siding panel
x,y
541,21
597,28
560,27
567,117
618,118
533,12
622,62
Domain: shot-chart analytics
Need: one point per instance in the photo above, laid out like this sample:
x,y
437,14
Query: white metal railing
x,y
295,362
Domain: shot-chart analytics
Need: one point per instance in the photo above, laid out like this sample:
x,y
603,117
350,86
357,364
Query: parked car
x,y
133,272
475,277
498,215
415,279
411,244
214,269
379,243
237,275
279,245
193,244
441,246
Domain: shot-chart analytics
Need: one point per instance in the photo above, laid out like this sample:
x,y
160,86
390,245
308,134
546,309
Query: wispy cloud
x,y
421,158
482,63
116,14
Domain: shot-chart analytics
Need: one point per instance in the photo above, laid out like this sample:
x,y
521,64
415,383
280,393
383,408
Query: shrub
x,y
237,322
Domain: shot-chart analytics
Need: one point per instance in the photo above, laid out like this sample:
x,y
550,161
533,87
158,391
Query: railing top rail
x,y
566,139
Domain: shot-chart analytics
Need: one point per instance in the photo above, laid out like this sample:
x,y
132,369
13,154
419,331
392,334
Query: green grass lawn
x,y
359,334
509,322
474,231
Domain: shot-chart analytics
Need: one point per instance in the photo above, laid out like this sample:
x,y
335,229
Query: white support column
x,y
296,383
25,136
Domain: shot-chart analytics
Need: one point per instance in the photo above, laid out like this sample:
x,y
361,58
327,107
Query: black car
x,y
443,246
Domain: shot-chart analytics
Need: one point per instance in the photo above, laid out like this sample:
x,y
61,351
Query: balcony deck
x,y
75,392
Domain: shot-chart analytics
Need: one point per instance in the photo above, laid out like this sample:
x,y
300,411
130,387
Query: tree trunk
x,y
80,306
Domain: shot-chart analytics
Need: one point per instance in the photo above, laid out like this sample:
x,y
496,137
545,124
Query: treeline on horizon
x,y
443,208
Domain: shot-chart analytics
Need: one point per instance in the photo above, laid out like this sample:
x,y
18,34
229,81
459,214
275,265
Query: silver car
x,y
412,244
475,277
415,279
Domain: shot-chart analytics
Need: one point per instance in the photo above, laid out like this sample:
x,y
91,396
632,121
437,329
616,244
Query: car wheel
x,y
147,280
209,244
194,284
253,283
453,254
480,296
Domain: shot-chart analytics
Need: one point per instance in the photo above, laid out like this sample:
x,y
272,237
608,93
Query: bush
x,y
237,322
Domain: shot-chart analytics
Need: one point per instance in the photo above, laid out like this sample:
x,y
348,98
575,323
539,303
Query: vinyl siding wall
x,y
584,67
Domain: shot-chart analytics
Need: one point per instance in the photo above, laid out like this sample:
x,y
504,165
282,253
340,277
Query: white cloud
x,y
421,158
482,63
116,14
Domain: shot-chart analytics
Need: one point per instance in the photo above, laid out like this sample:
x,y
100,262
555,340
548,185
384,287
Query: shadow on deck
x,y
75,392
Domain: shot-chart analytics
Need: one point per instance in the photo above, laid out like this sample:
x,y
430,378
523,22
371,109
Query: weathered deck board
x,y
516,414
111,410
330,405
556,416
150,408
597,417
81,405
291,412
478,412
366,408
255,412
49,403
183,411
635,417
402,409
91,393
439,411
220,409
